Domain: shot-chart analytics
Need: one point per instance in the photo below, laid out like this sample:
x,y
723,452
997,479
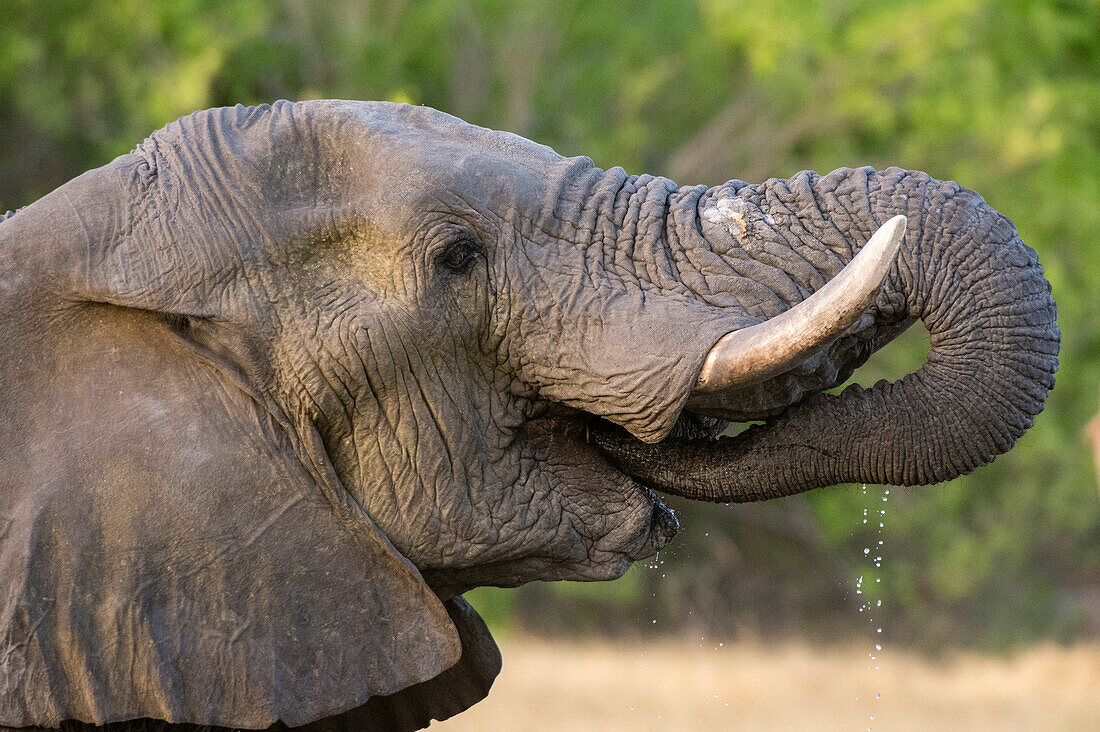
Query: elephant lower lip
x,y
578,430
665,524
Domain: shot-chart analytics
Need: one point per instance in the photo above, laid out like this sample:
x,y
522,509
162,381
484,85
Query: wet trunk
x,y
962,270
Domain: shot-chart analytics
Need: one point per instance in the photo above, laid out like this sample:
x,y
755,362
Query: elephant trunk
x,y
962,270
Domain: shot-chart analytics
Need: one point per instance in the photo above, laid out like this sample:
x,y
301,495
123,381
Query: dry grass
x,y
690,685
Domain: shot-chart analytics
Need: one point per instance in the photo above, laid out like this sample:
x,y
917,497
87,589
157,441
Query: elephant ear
x,y
173,548
455,690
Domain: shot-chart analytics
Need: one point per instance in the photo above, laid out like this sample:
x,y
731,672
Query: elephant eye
x,y
459,257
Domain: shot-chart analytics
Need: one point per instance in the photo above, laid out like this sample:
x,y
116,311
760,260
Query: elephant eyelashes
x,y
460,257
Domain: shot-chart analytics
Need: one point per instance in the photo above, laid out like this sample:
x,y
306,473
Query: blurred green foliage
x,y
1001,95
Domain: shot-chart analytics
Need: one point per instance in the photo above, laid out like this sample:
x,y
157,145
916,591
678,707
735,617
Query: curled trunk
x,y
978,288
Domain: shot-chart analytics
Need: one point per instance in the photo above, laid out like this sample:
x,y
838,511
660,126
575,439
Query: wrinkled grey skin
x,y
372,356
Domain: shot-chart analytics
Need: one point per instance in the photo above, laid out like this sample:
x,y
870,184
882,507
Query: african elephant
x,y
282,383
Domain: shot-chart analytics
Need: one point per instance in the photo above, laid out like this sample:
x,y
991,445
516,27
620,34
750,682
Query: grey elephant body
x,y
285,381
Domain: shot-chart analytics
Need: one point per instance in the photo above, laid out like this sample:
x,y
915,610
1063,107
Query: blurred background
x,y
1002,96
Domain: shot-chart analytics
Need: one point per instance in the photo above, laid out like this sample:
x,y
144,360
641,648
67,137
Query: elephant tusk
x,y
767,349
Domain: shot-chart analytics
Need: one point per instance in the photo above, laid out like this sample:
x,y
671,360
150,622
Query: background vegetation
x,y
1001,95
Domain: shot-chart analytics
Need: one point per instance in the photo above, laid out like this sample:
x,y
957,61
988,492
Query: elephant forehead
x,y
417,156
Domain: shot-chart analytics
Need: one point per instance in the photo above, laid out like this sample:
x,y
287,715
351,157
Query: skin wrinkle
x,y
764,286
441,429
822,261
716,261
223,208
435,416
343,391
726,295
838,199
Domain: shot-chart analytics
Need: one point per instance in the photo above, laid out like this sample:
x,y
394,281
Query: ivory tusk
x,y
767,349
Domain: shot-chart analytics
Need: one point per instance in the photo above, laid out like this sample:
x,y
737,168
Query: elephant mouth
x,y
568,436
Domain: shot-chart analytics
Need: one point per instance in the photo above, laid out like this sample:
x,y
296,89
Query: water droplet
x,y
866,550
878,647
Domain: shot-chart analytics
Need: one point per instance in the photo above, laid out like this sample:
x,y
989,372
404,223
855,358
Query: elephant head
x,y
282,383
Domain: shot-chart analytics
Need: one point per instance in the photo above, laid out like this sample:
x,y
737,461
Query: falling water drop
x,y
866,608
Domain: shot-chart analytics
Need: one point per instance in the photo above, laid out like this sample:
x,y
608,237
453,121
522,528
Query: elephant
x,y
282,383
